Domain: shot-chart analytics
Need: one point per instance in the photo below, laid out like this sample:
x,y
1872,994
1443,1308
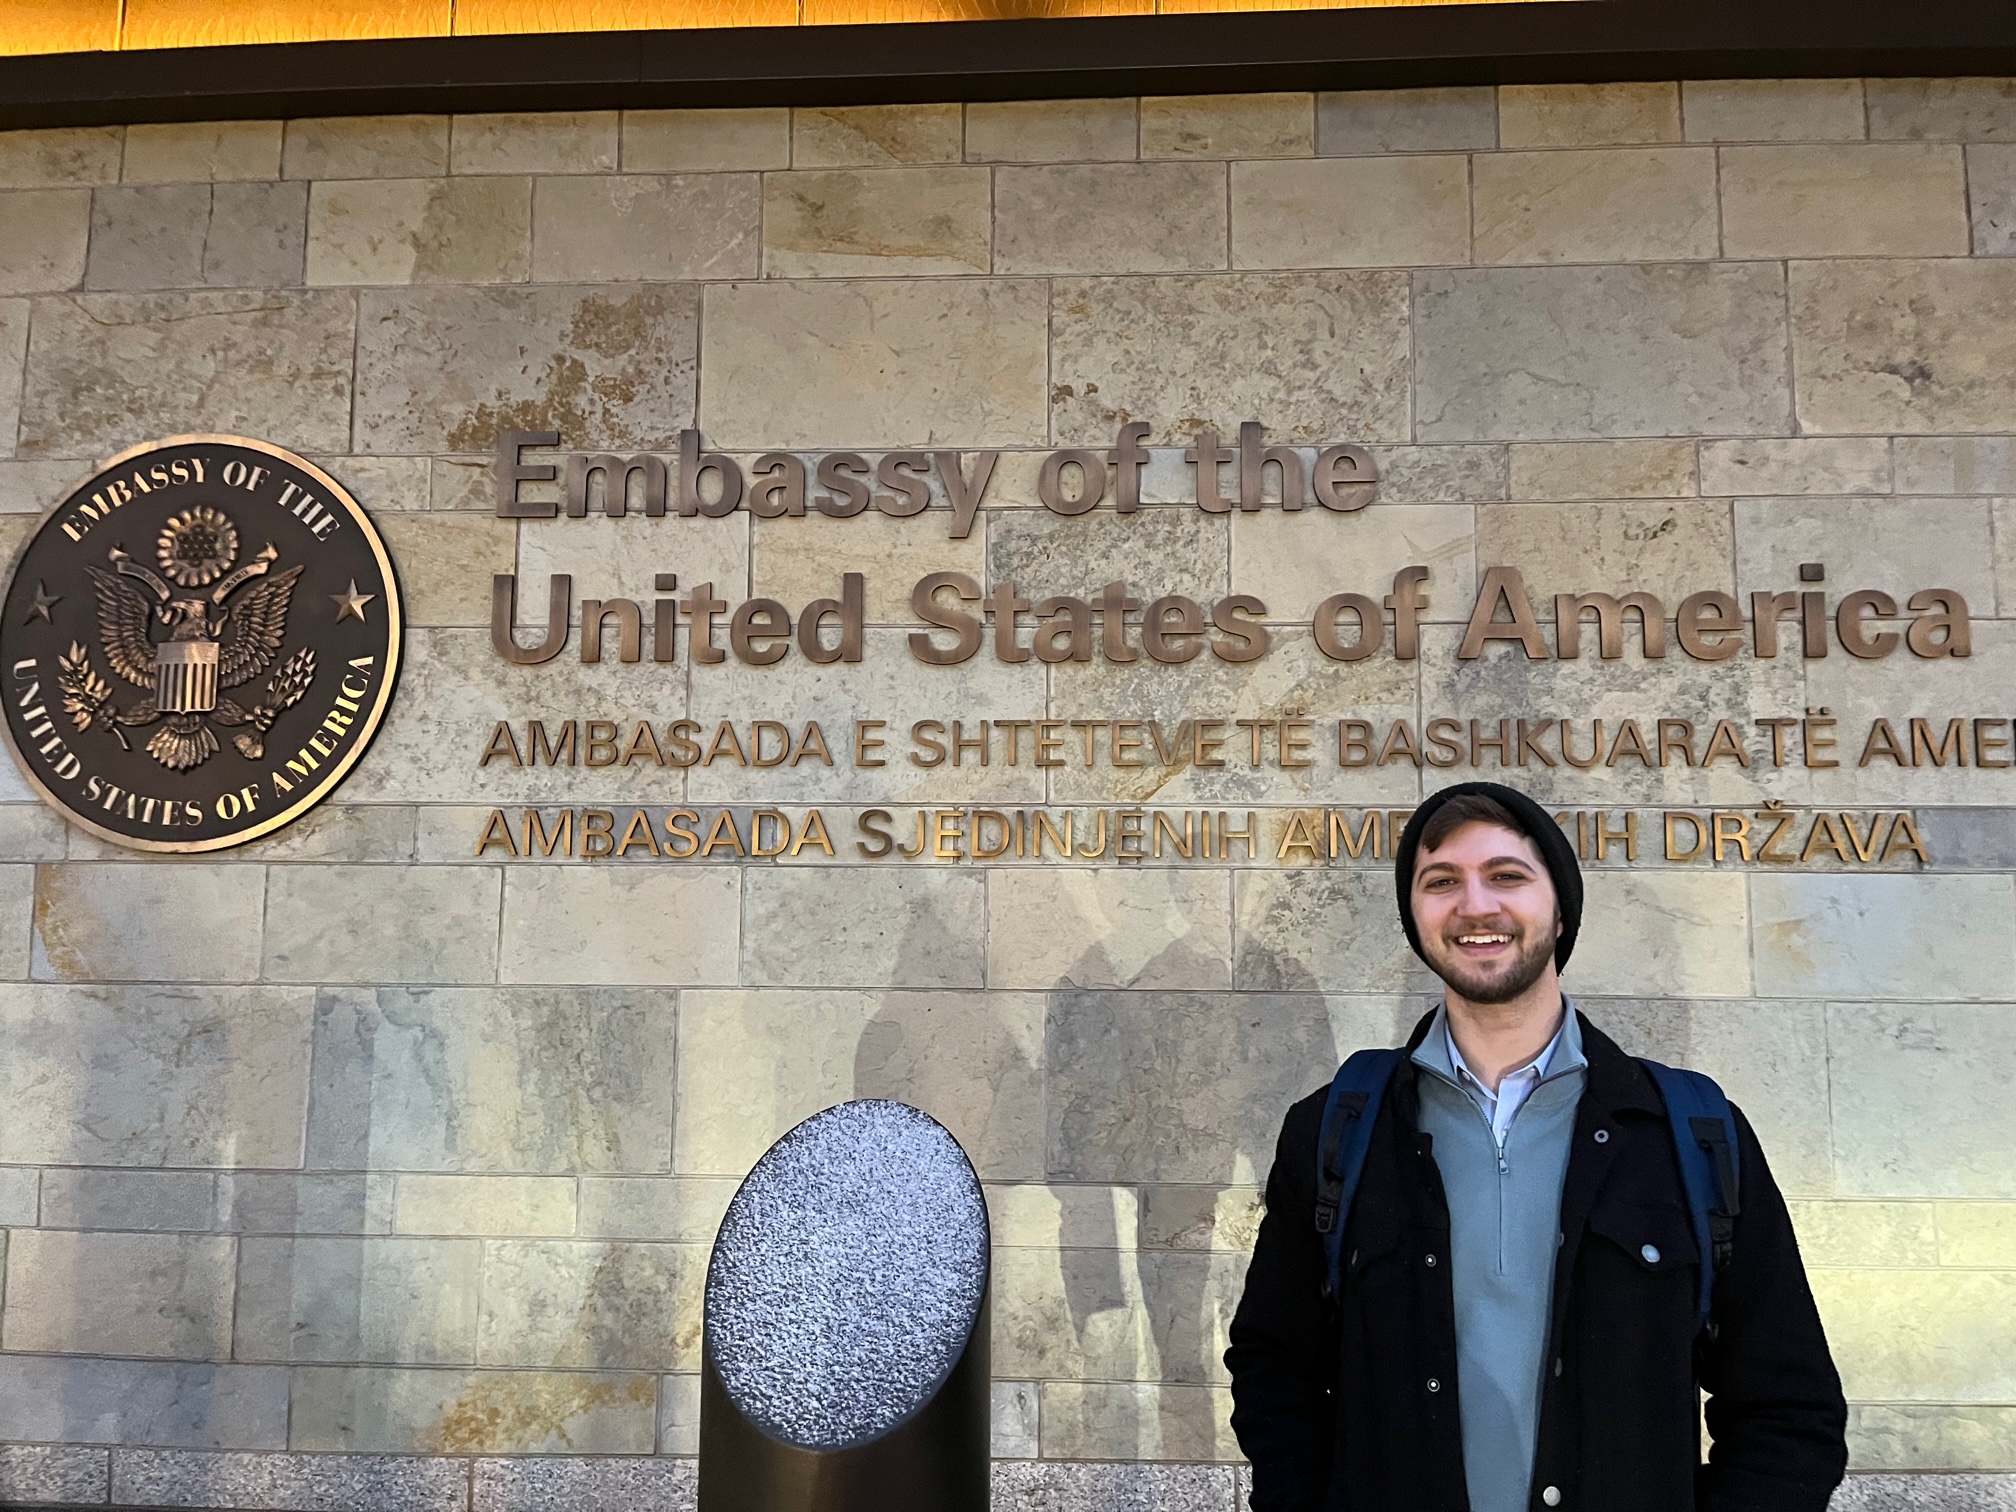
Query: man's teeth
x,y
1484,939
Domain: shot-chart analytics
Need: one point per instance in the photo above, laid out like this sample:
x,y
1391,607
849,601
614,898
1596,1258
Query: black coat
x,y
1332,1408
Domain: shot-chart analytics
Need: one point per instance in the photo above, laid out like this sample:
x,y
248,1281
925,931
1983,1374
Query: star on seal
x,y
350,605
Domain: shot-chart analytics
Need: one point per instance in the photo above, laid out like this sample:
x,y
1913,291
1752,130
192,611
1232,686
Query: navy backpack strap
x,y
1349,1113
1704,1135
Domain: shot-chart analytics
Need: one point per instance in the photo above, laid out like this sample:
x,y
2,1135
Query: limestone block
x,y
869,136
20,1196
1105,1314
1014,1416
1965,110
1183,353
200,152
1991,180
1322,930
1063,1217
17,910
522,1079
1917,1105
1503,685
1292,681
926,363
582,141
1893,345
463,483
60,156
342,1300
149,237
137,1200
1970,839
1561,354
1358,121
1975,1233
676,141
641,226
1900,688
1578,115
622,557
1865,1234
332,832
104,368
600,1484
122,923
354,924
1603,470
681,1209
571,924
1442,474
598,1306
888,685
1166,930
42,239
1351,212
420,231
817,928
1898,547
1228,125
393,1411
119,1294
27,832
1154,552
1051,131
33,1473
1053,1486
1862,936
752,1064
1298,560
679,1415
1671,932
1597,205
26,487
1187,1088
215,1076
1796,465
799,560
254,1202
1773,110
1955,464
1130,1420
1921,1335
440,370
258,236
1201,1218
1109,218
837,223
396,483
1668,549
298,1483
358,147
1937,1437
1868,200
484,1205
143,1402
445,564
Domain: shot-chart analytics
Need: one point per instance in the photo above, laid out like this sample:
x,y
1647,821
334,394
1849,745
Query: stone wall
x,y
352,1142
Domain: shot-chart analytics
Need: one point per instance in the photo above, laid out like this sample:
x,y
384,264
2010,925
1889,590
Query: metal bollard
x,y
845,1360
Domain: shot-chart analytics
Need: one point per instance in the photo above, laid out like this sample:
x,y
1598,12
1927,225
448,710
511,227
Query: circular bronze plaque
x,y
197,644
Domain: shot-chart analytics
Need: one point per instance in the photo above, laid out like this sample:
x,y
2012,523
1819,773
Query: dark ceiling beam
x,y
1547,41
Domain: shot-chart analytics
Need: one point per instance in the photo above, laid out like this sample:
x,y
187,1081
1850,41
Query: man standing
x,y
1516,1320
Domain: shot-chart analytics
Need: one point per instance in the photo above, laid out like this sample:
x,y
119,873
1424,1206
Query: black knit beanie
x,y
1534,822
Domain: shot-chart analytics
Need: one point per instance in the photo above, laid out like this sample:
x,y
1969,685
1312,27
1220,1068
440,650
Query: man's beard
x,y
1477,987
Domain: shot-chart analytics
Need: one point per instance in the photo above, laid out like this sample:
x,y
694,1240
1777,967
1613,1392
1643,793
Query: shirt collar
x,y
1437,1051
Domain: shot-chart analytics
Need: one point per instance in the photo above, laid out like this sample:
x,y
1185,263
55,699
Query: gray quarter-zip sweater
x,y
1504,1225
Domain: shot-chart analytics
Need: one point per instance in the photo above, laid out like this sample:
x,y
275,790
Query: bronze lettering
x,y
965,627
512,470
504,612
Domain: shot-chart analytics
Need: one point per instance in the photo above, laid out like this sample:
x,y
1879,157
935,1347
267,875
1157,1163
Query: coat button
x,y
1551,1496
1431,1260
1433,1384
1651,1254
1602,1137
1557,1367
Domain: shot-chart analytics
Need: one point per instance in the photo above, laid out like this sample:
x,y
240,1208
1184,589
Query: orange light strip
x,y
68,26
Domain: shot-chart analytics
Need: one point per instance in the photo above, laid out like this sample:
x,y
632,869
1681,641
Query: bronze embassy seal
x,y
197,644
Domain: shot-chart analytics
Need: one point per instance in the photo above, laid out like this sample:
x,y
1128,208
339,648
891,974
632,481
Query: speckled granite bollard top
x,y
848,1276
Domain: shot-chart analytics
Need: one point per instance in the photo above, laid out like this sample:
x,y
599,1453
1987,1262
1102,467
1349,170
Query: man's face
x,y
1485,909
